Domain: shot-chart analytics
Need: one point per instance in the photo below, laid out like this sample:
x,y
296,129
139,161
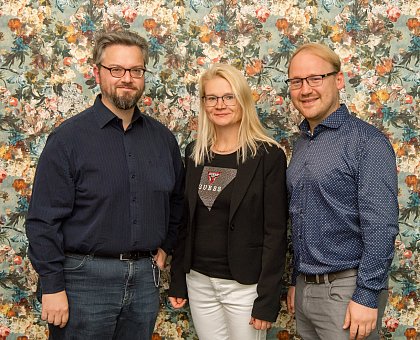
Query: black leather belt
x,y
128,256
135,255
320,278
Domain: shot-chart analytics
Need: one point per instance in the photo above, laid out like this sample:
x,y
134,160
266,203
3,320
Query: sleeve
x,y
178,285
51,202
378,211
176,200
267,304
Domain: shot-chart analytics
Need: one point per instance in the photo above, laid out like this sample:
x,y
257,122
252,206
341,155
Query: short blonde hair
x,y
322,51
251,132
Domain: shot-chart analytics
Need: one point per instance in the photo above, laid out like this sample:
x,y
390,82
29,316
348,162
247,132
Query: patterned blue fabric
x,y
342,185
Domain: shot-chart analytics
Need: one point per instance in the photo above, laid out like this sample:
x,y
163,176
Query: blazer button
x,y
232,226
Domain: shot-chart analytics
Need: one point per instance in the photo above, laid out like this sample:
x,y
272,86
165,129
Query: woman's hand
x,y
260,324
177,302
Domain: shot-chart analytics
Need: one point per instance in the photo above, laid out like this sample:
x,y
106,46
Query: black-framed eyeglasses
x,y
119,72
313,81
228,100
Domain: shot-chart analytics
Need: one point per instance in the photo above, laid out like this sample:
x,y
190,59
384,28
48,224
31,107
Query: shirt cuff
x,y
52,283
366,297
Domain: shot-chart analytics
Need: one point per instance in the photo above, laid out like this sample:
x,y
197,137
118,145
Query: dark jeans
x,y
108,299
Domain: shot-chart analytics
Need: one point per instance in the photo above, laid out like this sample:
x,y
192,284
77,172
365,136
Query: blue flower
x,y
286,46
87,25
222,25
20,46
353,25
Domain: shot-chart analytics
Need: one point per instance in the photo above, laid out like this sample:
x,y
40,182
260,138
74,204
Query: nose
x,y
220,103
305,87
126,78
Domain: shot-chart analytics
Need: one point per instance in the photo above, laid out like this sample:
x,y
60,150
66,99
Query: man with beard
x,y
106,204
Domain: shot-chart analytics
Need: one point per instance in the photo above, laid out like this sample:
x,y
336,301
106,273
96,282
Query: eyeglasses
x,y
119,72
313,81
228,100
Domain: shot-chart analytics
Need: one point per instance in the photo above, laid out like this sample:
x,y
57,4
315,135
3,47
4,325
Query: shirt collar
x,y
104,115
333,121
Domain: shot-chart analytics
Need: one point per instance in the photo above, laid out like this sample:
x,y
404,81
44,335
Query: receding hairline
x,y
320,50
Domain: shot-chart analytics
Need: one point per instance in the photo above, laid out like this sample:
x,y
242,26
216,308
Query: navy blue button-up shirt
x,y
342,185
101,190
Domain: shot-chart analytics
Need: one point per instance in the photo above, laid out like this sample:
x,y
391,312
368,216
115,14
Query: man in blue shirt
x,y
106,203
342,185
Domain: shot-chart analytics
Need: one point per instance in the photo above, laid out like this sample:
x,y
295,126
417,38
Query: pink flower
x,y
17,260
201,61
129,14
391,324
408,99
393,13
147,101
4,331
3,175
279,100
67,61
262,14
13,101
408,254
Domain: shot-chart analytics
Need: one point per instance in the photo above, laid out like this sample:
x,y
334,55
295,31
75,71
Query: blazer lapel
x,y
192,187
243,179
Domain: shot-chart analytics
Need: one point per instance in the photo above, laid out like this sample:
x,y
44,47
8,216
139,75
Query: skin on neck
x,y
227,137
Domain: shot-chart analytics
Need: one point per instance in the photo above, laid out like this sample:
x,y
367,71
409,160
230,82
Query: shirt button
x,y
301,211
133,176
134,221
129,154
232,227
302,186
133,199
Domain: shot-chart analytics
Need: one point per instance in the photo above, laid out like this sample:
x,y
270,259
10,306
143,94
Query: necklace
x,y
229,150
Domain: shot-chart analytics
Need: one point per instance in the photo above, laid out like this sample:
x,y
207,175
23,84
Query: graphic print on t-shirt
x,y
213,181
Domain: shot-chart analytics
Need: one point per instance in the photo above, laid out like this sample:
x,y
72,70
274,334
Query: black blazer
x,y
257,238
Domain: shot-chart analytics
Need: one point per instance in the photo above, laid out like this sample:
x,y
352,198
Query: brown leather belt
x,y
320,278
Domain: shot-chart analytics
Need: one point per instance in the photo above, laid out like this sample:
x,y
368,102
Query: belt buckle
x,y
126,257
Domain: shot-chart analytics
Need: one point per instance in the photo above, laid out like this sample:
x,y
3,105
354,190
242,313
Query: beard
x,y
122,101
126,102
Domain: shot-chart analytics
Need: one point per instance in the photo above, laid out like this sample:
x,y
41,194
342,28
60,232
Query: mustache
x,y
127,87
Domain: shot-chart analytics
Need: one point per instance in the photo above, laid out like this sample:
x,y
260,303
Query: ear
x,y
96,74
340,81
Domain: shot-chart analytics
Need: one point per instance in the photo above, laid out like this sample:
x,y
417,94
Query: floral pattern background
x,y
46,77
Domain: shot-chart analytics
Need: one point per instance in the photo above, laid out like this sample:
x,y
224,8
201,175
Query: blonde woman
x,y
231,250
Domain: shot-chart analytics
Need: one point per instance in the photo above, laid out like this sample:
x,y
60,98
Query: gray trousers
x,y
321,309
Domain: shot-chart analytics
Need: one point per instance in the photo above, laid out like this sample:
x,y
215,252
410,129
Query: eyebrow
x,y
214,95
117,65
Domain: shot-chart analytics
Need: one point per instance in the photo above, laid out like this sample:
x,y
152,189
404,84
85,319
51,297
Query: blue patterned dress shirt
x,y
342,187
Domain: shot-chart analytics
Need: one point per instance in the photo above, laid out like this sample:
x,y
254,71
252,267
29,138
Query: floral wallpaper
x,y
46,77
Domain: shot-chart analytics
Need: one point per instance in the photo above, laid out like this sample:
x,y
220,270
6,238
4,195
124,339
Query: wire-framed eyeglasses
x,y
228,100
119,72
313,81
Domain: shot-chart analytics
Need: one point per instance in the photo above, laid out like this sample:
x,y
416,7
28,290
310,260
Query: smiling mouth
x,y
309,101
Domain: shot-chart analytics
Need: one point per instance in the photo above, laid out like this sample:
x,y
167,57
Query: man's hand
x,y
291,300
160,258
260,324
55,308
177,302
360,319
